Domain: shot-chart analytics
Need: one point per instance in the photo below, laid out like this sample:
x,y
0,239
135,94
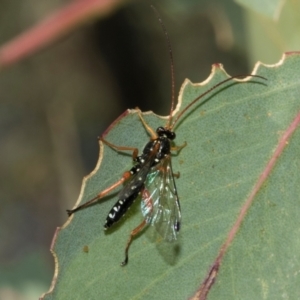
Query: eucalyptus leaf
x,y
231,135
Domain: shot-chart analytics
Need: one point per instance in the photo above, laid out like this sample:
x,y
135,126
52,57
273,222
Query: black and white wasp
x,y
151,177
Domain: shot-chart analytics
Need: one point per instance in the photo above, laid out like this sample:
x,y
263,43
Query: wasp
x,y
151,178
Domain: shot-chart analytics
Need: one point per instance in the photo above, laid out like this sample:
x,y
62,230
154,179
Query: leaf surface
x,y
231,136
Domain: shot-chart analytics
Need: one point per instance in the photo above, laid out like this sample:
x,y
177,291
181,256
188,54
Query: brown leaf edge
x,y
58,229
206,285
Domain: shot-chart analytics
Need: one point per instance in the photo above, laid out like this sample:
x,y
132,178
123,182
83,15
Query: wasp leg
x,y
125,176
177,174
148,128
135,151
178,148
133,233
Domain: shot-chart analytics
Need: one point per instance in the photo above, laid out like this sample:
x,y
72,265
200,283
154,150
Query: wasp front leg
x,y
152,132
135,151
178,148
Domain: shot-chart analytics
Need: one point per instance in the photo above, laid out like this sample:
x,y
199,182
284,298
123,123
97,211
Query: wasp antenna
x,y
70,212
172,64
210,90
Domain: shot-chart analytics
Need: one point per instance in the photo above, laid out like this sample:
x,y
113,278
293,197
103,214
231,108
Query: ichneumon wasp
x,y
152,177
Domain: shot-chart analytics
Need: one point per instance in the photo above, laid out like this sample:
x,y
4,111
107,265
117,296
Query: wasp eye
x,y
171,135
160,130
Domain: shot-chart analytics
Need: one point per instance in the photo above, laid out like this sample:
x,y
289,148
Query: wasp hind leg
x,y
177,175
125,176
133,233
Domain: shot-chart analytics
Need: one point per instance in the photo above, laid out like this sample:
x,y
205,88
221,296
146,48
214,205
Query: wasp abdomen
x,y
120,208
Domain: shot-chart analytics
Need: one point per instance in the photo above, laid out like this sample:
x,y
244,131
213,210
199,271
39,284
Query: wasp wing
x,y
160,203
134,186
136,182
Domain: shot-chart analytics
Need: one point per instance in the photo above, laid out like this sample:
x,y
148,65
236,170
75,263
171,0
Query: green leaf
x,y
268,8
231,135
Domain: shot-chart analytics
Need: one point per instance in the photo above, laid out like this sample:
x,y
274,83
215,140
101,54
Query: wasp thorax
x,y
161,131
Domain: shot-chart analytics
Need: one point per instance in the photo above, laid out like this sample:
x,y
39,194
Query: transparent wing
x,y
160,204
136,182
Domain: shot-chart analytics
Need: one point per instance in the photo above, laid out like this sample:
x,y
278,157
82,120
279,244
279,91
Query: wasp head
x,y
163,132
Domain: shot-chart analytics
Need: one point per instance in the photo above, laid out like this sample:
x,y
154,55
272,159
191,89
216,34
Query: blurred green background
x,y
54,104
